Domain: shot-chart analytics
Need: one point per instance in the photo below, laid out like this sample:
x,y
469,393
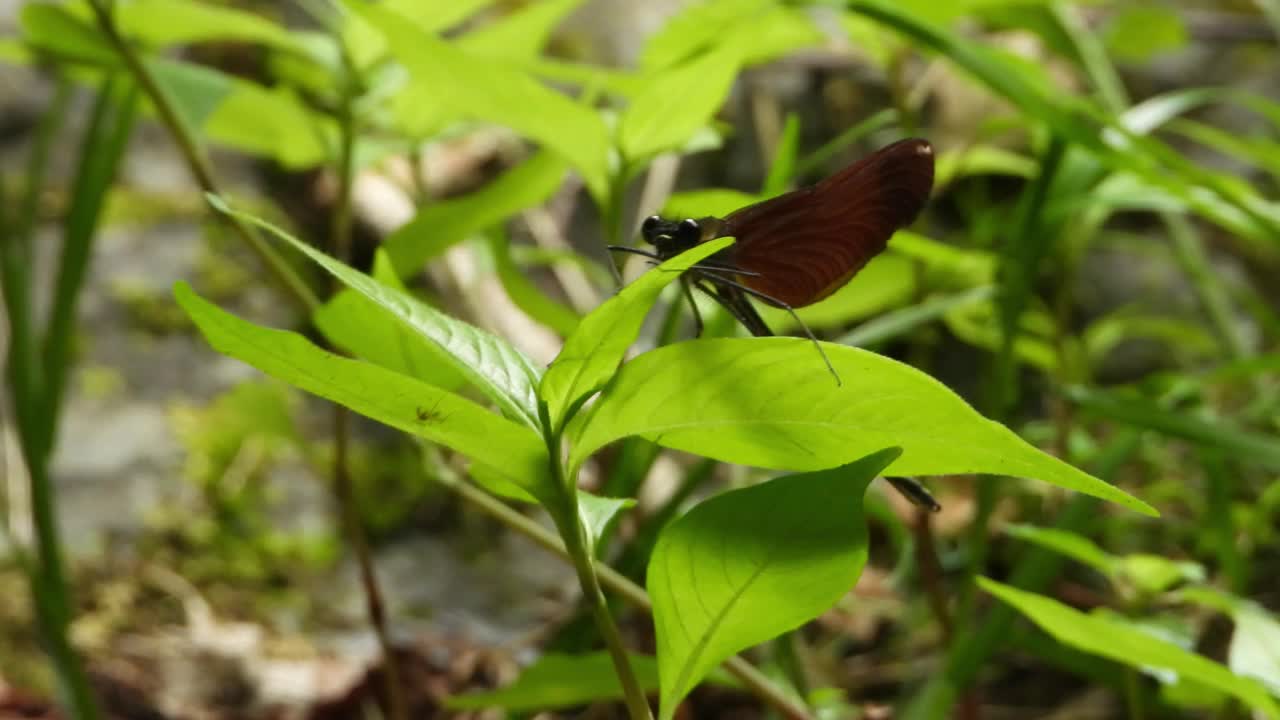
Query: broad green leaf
x,y
496,368
1063,542
439,225
161,23
753,563
597,512
377,393
54,28
520,35
1126,645
591,354
558,681
675,104
770,402
1139,32
449,84
356,325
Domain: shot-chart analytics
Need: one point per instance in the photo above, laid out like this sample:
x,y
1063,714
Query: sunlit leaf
x,y
520,35
753,563
676,103
357,325
770,402
491,364
175,22
450,84
380,394
592,353
1126,645
440,225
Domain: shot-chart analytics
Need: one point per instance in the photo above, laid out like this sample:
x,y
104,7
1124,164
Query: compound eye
x,y
650,225
690,229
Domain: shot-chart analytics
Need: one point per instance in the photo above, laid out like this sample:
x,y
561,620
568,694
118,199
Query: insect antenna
x,y
636,251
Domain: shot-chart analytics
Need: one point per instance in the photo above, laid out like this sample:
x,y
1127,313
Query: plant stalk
x,y
752,679
577,547
196,161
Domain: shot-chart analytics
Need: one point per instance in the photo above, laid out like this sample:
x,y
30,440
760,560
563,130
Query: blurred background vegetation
x,y
1097,269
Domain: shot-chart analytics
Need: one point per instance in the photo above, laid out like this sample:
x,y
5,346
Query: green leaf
x,y
769,402
592,353
888,281
449,84
1122,643
710,201
751,564
160,23
54,28
675,104
558,681
500,371
597,512
699,26
981,160
782,171
388,397
439,225
1063,542
520,35
903,320
243,115
1137,33
358,326
1153,574
1247,447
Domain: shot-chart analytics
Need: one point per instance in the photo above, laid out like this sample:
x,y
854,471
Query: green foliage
x,y
1129,645
993,290
768,402
753,563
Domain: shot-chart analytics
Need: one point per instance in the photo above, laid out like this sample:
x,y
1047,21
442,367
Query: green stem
x,y
348,507
752,679
196,160
572,532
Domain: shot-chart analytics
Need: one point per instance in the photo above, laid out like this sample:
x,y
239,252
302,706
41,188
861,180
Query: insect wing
x,y
806,244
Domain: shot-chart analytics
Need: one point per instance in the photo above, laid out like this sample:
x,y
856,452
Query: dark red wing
x,y
806,244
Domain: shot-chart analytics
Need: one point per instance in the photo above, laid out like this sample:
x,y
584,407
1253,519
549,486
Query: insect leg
x,y
722,281
914,492
687,285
